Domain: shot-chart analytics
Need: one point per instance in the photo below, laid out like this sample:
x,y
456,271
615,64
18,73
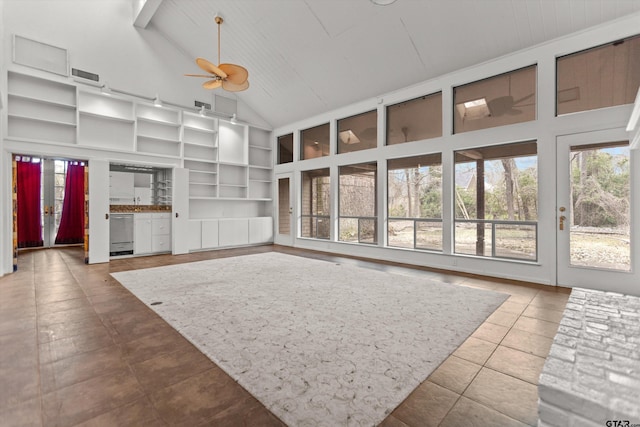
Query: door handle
x,y
561,225
46,210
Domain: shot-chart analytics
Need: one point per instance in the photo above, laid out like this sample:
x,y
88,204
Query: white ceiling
x,y
309,56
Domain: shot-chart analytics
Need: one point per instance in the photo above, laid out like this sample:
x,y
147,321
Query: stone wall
x,y
592,373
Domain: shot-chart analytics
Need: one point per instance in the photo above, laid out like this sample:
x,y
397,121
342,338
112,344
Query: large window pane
x,y
358,132
414,186
316,206
285,149
496,201
497,101
600,77
357,222
414,120
600,215
314,142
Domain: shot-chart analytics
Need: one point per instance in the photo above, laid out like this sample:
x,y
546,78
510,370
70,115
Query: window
x,y
285,149
358,219
600,77
316,207
496,201
358,132
497,101
415,202
314,142
414,120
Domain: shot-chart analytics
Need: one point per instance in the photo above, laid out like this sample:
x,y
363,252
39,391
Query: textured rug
x,y
318,343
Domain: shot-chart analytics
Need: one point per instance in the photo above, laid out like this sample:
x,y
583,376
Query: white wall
x,y
545,130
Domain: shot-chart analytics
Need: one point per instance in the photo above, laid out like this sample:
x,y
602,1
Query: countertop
x,y
139,208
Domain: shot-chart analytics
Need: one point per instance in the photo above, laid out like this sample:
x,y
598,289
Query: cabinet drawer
x,y
161,243
160,226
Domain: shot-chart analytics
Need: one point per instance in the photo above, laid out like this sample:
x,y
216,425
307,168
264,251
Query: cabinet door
x,y
121,185
142,236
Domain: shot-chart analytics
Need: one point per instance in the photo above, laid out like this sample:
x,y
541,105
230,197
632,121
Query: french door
x,y
284,211
52,177
595,214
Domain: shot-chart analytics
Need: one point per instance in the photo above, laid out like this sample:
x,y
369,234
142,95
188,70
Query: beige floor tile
x,y
468,413
426,406
475,350
392,421
537,326
513,397
513,307
455,374
528,342
543,314
503,318
516,363
490,332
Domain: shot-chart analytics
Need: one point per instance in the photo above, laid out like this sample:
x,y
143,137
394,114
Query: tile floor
x,y
76,348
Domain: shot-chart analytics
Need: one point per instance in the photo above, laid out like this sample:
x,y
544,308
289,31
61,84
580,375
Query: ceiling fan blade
x,y
210,68
212,84
235,73
231,87
200,75
524,98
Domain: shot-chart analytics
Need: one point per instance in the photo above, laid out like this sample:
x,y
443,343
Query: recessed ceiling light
x,y
383,2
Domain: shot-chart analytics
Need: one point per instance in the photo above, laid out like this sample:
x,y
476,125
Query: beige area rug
x,y
318,343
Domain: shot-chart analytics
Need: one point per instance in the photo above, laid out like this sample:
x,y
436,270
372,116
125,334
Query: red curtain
x,y
71,228
28,200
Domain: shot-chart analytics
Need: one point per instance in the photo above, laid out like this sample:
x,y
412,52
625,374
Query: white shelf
x,y
203,130
212,184
157,121
260,148
239,165
102,116
260,180
38,119
260,167
232,185
43,101
203,171
197,144
193,159
156,138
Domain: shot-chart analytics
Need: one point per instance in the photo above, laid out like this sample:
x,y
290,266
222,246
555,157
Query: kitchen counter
x,y
139,208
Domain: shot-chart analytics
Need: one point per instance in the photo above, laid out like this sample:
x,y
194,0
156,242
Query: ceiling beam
x,y
143,11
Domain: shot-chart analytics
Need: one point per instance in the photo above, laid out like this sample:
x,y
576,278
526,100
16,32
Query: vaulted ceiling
x,y
308,56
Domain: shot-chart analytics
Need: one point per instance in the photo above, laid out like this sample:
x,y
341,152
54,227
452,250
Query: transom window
x,y
600,77
414,120
497,101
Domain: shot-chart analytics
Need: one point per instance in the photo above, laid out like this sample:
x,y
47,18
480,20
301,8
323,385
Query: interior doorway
x,y
50,198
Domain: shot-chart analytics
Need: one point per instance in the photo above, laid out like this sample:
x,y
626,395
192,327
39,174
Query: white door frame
x,y
589,277
282,238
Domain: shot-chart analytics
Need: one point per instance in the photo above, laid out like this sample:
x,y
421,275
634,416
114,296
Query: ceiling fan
x,y
230,77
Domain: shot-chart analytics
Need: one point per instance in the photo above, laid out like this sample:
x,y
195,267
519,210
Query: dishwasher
x,y
121,234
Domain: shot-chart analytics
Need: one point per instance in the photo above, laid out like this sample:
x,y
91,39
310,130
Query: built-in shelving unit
x,y
260,164
41,110
158,130
230,164
105,121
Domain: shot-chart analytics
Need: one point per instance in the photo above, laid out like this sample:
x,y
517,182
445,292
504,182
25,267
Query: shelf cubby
x,y
197,151
232,175
158,146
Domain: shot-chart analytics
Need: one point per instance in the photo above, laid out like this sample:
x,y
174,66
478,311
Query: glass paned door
x,y
284,223
594,212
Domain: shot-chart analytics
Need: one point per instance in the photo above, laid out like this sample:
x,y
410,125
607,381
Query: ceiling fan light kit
x,y
230,77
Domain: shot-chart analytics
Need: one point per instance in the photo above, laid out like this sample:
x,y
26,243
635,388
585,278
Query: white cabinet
x,y
152,233
142,234
121,186
261,230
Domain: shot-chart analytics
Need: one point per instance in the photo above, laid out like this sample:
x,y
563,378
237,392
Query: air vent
x,y
85,75
200,104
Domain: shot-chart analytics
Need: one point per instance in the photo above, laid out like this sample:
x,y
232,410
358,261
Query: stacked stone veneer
x,y
592,374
